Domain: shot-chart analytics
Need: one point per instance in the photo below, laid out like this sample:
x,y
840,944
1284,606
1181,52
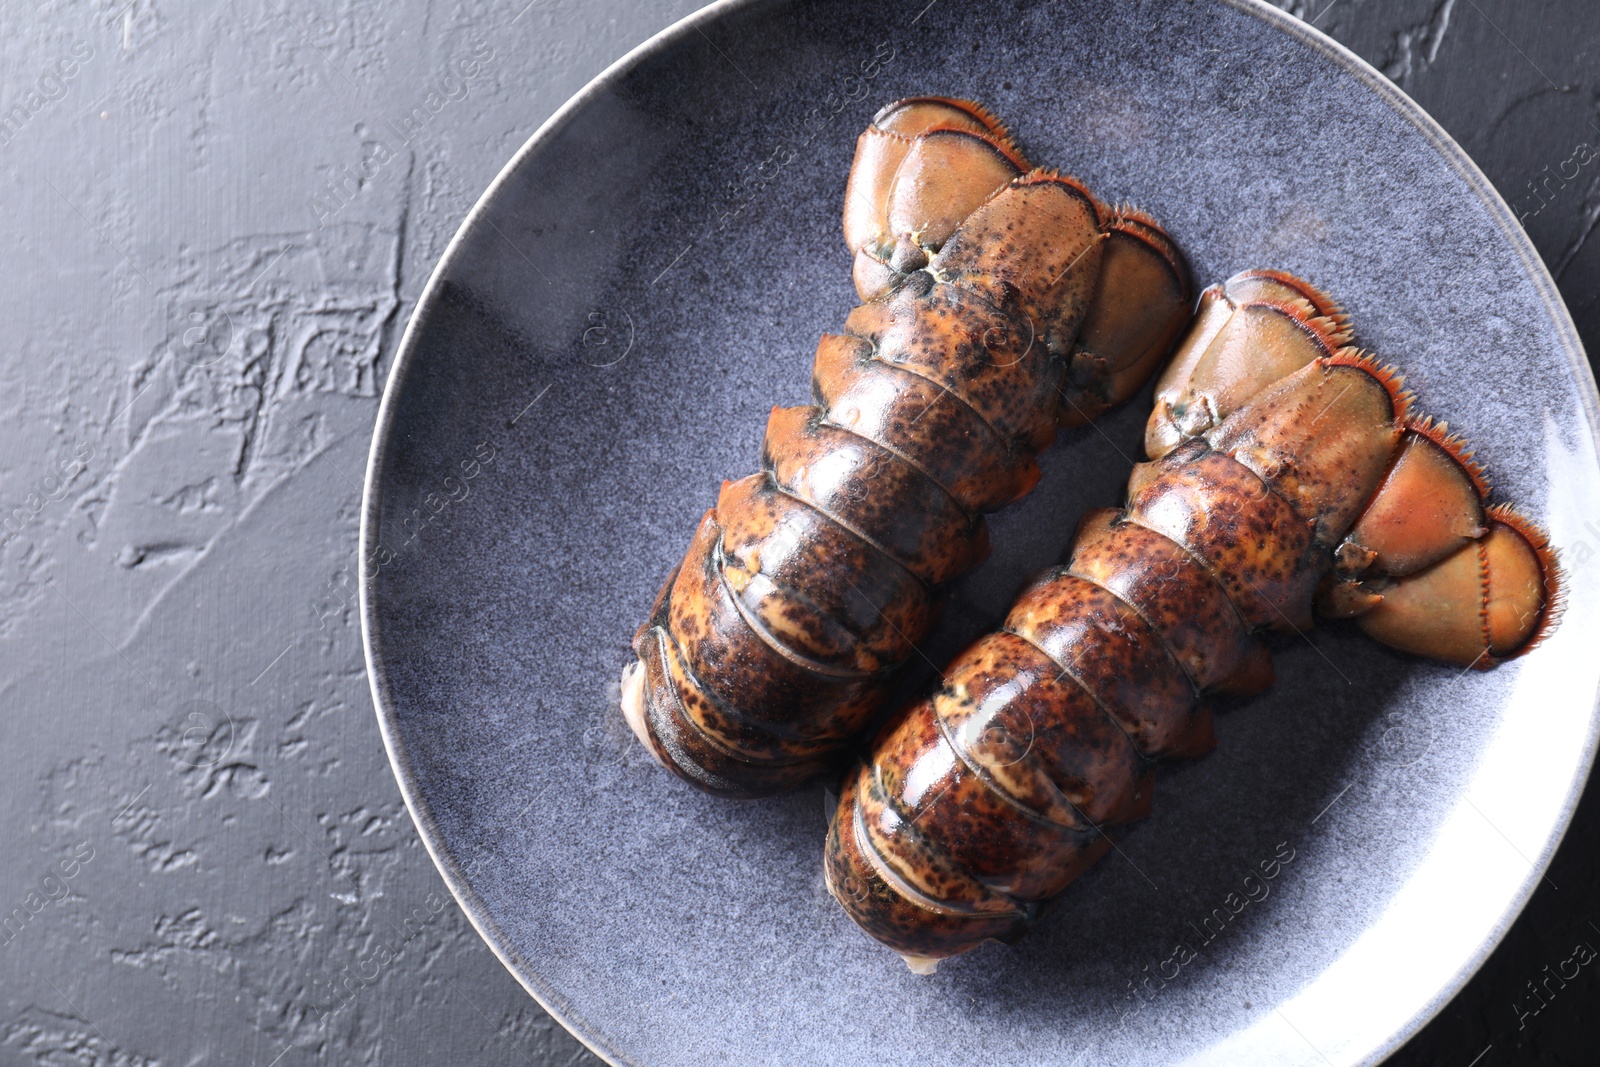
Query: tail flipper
x,y
1429,569
1251,331
1143,300
923,166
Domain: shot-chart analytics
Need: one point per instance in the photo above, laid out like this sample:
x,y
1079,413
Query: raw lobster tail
x,y
999,301
1289,472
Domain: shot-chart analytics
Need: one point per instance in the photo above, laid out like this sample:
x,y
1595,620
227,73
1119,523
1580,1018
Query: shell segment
x,y
1321,438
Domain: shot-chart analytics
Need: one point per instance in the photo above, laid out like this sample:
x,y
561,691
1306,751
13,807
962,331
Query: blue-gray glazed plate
x,y
599,349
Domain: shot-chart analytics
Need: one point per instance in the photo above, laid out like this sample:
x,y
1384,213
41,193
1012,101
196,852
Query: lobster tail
x,y
1100,668
810,583
1289,471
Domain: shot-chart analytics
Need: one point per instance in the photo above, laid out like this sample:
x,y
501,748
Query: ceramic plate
x,y
600,348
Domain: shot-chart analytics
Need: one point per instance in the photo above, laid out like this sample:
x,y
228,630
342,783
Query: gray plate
x,y
599,348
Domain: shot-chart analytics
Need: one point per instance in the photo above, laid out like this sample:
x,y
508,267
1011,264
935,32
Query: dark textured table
x,y
221,216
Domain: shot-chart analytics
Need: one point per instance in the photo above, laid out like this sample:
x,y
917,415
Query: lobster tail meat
x,y
811,582
1290,472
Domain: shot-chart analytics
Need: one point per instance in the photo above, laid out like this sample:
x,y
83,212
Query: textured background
x,y
221,215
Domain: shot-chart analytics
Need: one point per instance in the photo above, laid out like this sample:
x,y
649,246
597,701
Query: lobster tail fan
x,y
1255,330
1429,569
922,166
1142,301
1456,448
918,114
1518,634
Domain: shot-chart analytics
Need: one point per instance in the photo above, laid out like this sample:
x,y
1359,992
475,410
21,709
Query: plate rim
x,y
399,759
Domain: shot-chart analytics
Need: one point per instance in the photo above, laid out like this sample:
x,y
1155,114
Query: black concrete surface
x,y
218,219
